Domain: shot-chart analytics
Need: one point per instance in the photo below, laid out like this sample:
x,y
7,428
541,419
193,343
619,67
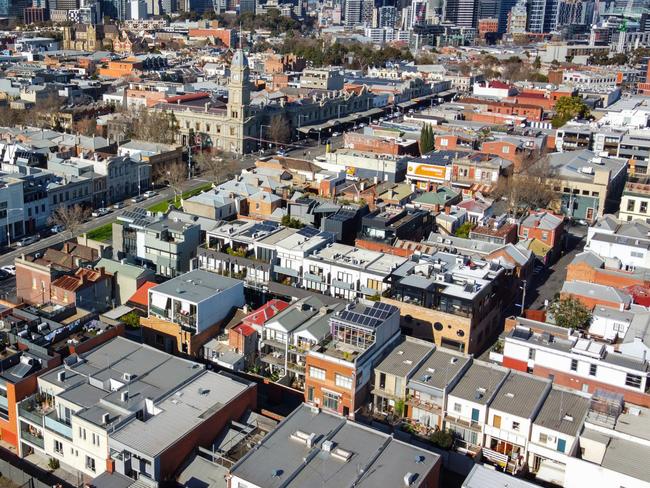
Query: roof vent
x,y
106,417
277,473
453,360
419,459
128,376
409,478
342,454
328,446
124,396
311,440
203,391
510,395
61,376
568,418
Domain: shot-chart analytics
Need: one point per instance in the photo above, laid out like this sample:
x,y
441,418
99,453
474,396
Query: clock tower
x,y
238,86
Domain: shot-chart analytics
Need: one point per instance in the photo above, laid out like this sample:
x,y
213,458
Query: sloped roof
x,y
141,296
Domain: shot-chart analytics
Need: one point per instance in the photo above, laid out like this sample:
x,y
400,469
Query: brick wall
x,y
26,276
205,433
584,272
348,399
153,326
578,383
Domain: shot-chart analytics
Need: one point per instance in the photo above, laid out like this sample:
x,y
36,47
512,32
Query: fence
x,y
26,474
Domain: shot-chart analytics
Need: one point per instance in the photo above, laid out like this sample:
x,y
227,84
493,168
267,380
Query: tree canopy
x,y
567,108
570,313
427,139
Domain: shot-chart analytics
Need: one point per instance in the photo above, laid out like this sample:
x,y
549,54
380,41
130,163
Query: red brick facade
x,y
579,383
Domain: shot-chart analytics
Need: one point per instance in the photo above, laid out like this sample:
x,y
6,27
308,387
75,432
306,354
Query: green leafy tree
x,y
131,320
570,313
427,139
399,408
567,108
464,230
442,439
293,223
537,64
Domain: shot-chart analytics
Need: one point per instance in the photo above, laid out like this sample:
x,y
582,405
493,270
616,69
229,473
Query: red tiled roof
x,y
265,312
498,84
640,294
244,329
141,296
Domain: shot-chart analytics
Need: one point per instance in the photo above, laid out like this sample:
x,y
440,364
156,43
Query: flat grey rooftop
x,y
629,458
375,458
179,414
483,477
195,286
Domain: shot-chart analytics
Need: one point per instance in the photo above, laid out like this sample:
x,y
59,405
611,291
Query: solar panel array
x,y
308,232
138,216
371,316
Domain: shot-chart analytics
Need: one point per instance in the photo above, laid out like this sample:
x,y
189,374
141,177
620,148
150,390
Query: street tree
x,y
153,125
427,139
279,130
567,108
215,166
71,218
570,313
175,176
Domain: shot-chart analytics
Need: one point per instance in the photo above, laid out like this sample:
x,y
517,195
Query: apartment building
x,y
451,299
20,370
391,375
87,288
635,199
589,184
160,243
348,272
184,312
625,243
288,337
338,374
575,361
385,225
292,249
128,408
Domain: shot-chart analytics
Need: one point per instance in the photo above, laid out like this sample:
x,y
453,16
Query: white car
x,y
26,241
100,212
336,134
118,205
11,269
150,193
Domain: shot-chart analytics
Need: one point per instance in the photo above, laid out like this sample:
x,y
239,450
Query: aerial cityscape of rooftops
x,y
324,243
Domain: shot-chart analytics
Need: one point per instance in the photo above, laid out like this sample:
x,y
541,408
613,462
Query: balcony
x,y
34,408
185,320
314,277
160,312
463,422
428,406
58,426
32,436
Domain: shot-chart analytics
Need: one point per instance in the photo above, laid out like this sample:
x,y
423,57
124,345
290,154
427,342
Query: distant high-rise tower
x,y
542,15
387,16
463,13
418,12
352,12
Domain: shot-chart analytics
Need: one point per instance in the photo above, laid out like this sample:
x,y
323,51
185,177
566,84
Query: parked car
x,y
100,212
26,241
336,134
4,275
138,199
118,205
10,268
56,229
150,193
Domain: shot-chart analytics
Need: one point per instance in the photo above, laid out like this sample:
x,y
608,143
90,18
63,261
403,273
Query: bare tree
x,y
279,130
215,166
175,175
152,125
532,188
71,218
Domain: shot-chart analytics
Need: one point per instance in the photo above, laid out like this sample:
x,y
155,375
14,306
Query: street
x,y
549,281
164,194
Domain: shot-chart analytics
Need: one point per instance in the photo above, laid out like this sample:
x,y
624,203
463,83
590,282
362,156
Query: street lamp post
x,y
7,224
261,131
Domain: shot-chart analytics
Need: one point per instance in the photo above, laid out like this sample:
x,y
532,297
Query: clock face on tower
x,y
235,77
